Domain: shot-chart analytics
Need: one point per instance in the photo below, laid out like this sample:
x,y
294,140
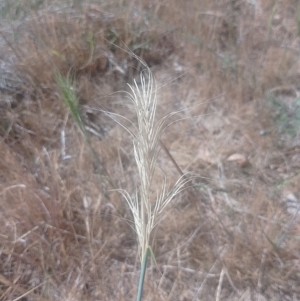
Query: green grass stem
x,y
142,275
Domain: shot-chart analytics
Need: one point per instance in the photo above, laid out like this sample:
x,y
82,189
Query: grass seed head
x,y
146,213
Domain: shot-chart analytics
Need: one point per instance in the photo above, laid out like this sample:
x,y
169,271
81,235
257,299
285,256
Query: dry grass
x,y
233,67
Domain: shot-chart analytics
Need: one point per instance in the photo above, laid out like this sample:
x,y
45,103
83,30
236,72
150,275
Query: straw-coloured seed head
x,y
147,213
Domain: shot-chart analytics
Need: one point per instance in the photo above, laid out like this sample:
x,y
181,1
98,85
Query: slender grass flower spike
x,y
146,211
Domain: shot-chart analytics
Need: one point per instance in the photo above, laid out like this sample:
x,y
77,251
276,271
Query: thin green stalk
x,y
298,21
142,275
271,19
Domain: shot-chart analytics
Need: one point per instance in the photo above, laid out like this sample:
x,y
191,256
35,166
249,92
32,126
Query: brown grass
x,y
233,67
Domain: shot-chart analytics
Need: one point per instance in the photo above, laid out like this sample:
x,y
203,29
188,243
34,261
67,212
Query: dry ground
x,y
231,68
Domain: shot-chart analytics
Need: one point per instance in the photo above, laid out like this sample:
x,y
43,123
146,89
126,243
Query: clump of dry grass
x,y
60,231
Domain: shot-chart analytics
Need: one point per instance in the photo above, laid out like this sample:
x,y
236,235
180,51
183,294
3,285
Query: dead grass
x,y
233,67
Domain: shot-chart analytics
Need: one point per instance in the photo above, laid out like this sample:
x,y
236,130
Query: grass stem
x,y
142,275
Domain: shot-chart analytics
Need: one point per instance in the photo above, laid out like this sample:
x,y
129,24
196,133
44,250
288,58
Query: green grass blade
x,y
67,90
271,19
298,20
